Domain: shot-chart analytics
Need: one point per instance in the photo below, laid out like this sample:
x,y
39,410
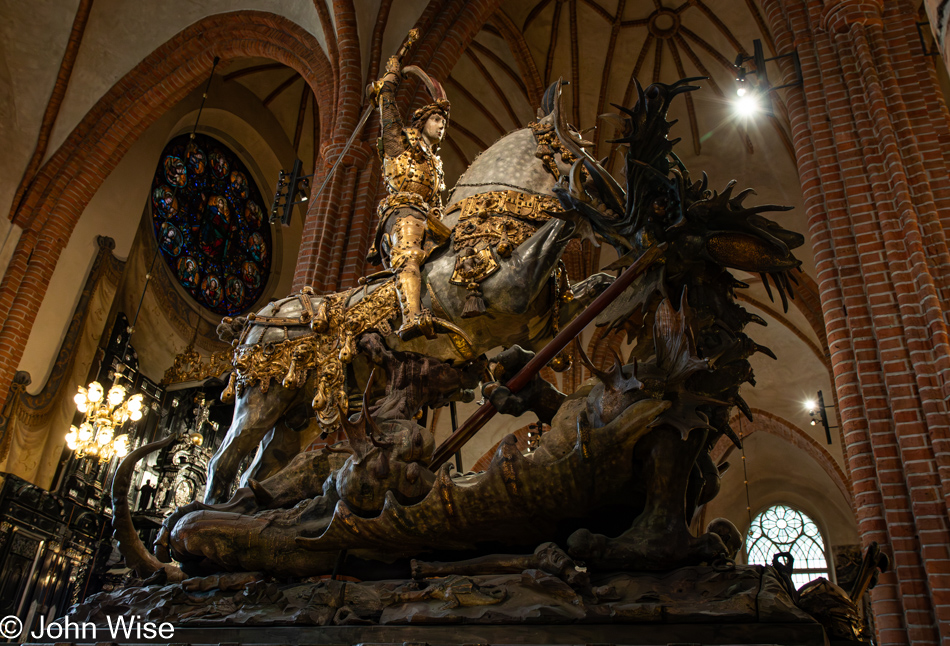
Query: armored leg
x,y
406,257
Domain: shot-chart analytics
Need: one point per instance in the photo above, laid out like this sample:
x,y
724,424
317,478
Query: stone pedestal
x,y
697,605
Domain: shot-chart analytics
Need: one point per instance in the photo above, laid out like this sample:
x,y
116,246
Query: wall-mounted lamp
x,y
816,410
293,190
756,97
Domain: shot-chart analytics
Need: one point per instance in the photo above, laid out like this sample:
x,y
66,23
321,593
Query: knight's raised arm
x,y
393,137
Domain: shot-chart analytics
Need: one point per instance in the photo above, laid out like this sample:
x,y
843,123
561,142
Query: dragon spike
x,y
780,288
618,362
731,434
683,85
606,185
743,406
738,199
605,377
726,194
361,434
765,350
765,283
785,276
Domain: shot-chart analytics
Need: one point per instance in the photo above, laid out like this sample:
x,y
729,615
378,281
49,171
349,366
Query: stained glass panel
x,y
783,529
209,221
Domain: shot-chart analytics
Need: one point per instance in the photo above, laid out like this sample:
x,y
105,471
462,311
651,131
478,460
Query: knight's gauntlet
x,y
392,65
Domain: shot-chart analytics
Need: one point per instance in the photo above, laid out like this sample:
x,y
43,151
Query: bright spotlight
x,y
811,404
741,91
747,105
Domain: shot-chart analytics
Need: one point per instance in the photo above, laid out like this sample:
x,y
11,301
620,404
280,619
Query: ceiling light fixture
x,y
757,97
816,410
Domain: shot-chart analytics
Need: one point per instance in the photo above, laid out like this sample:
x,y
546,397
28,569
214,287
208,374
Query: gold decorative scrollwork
x,y
189,366
321,355
503,219
549,145
473,267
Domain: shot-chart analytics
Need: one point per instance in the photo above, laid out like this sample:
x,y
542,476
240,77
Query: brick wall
x,y
870,132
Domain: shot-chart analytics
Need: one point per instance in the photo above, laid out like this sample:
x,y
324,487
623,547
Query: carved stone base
x,y
535,635
745,605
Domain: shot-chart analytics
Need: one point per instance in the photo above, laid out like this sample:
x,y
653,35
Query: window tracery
x,y
783,529
209,222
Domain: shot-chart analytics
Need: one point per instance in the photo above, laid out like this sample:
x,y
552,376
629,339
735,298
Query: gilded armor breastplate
x,y
417,172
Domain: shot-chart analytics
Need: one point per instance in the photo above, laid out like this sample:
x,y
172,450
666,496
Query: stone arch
x,y
779,427
58,195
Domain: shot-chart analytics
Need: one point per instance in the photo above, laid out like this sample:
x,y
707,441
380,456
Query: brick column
x,y
338,225
870,132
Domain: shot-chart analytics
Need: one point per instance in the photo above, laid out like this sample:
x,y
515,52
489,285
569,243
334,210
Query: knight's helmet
x,y
440,102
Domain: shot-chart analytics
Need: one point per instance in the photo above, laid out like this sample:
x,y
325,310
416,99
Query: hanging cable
x,y
745,475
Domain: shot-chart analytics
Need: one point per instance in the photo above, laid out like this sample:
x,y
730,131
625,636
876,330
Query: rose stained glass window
x,y
210,224
783,529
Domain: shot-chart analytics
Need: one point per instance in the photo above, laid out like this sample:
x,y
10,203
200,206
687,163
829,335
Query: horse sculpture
x,y
505,253
639,437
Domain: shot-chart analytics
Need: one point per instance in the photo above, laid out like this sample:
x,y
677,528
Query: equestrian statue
x,y
626,462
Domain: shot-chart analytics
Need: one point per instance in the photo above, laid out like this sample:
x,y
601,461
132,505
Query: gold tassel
x,y
474,305
290,379
228,395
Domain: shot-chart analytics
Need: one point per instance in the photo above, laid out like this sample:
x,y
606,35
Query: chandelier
x,y
105,413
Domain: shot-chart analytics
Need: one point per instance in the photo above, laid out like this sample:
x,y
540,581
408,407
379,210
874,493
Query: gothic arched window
x,y
210,223
783,529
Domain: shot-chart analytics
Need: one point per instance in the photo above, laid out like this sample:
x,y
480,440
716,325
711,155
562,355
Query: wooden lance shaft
x,y
474,423
401,54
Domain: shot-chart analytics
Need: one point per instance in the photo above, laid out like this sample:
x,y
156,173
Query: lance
x,y
474,423
403,50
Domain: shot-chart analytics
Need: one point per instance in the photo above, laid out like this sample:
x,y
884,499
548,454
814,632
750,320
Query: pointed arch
x,y
60,192
779,427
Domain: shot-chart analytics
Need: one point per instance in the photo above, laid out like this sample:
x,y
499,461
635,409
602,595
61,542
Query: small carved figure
x,y
548,558
456,592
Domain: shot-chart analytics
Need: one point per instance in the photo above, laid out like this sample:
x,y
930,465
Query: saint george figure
x,y
410,216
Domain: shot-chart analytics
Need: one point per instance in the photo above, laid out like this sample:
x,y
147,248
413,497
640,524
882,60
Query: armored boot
x,y
406,257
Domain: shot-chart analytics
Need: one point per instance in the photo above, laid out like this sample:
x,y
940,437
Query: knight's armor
x,y
414,182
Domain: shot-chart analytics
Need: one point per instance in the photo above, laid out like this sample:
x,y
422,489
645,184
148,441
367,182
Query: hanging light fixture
x,y
104,415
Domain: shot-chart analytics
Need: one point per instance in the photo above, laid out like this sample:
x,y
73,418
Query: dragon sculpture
x,y
627,453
